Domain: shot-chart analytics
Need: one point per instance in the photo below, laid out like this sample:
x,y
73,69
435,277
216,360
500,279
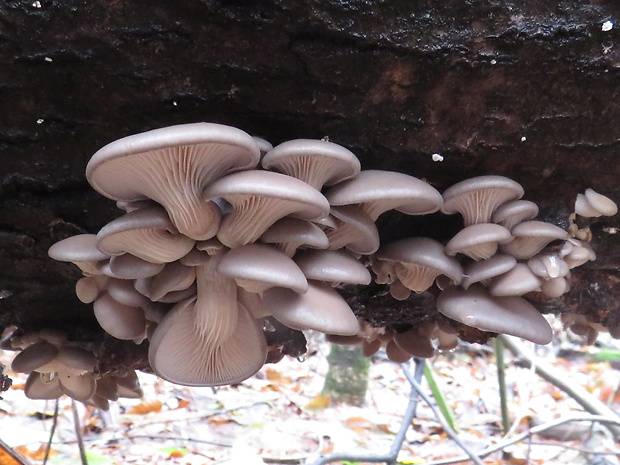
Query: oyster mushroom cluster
x,y
481,274
57,366
221,230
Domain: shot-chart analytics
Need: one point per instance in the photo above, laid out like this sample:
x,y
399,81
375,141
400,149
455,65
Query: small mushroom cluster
x,y
484,270
221,230
57,366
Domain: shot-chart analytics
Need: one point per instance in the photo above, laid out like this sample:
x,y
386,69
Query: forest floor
x,y
279,416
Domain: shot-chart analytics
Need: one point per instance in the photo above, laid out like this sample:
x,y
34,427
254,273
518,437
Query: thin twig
x,y
520,437
149,436
389,458
453,435
78,433
48,449
549,374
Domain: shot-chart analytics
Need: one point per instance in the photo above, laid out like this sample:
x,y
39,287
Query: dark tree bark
x,y
523,89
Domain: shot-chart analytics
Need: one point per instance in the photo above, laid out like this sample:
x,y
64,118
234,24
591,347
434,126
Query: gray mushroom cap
x,y
518,281
81,250
316,162
378,191
530,237
172,166
334,266
262,266
486,269
354,229
477,198
592,204
421,260
39,388
505,315
289,233
146,233
259,199
33,357
321,309
513,212
478,241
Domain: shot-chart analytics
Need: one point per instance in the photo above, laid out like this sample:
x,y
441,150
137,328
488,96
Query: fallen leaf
x,y
38,454
146,407
358,423
319,402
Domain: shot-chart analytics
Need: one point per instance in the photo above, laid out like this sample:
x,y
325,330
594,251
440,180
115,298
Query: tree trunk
x,y
347,377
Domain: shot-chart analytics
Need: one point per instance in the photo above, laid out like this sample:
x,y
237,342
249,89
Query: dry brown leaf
x,y
276,376
356,423
183,403
38,454
319,402
146,407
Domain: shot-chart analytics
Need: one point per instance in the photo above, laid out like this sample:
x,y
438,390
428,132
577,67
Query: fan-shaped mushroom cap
x,y
518,281
414,343
76,359
378,191
128,385
321,309
119,320
531,237
81,250
555,287
146,233
186,351
419,260
289,233
316,162
395,353
259,199
478,241
174,277
263,145
354,229
513,212
370,347
173,166
592,204
257,267
33,357
39,388
548,266
508,315
79,387
124,292
128,266
486,269
398,290
89,287
333,266
477,198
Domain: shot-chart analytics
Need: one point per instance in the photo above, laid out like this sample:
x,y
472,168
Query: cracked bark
x,y
513,88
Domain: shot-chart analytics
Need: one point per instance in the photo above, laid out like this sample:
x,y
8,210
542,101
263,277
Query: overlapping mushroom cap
x,y
173,166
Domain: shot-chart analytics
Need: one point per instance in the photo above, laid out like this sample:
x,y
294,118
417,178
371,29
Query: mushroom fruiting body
x,y
505,315
592,204
173,166
530,237
477,198
208,340
259,199
316,162
378,191
478,241
418,261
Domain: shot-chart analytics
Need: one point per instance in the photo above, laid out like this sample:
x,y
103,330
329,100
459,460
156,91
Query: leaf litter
x,y
279,416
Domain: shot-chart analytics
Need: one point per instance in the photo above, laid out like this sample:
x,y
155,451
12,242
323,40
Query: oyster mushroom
x,y
208,340
259,199
477,198
316,162
173,166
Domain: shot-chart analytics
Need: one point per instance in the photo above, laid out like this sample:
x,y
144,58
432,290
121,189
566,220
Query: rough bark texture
x,y
517,88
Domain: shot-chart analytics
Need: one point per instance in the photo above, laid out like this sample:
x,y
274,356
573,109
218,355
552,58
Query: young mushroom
x,y
592,204
316,162
476,199
478,241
